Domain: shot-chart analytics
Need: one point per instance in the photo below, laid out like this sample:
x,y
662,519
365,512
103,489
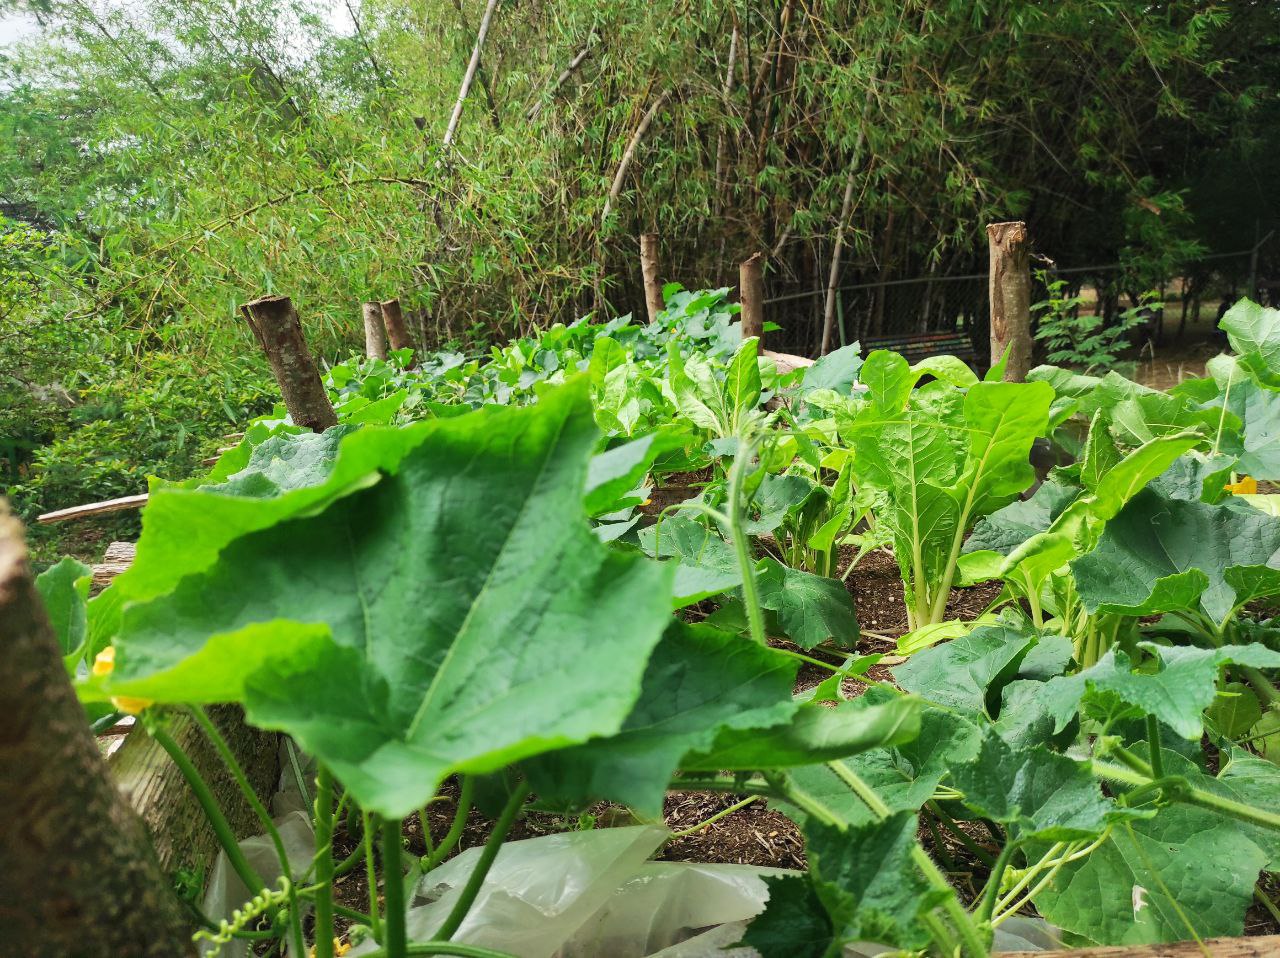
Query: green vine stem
x,y
209,805
371,874
1181,790
456,828
961,919
394,938
750,597
264,817
723,813
992,890
472,888
324,864
1153,746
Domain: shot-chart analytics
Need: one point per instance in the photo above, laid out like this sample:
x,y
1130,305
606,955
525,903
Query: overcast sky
x,y
14,26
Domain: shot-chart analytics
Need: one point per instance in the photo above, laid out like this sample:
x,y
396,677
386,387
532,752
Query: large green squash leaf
x,y
1177,693
1254,333
1184,872
814,734
810,608
794,923
1036,792
960,674
1164,555
64,588
705,565
698,681
865,878
457,615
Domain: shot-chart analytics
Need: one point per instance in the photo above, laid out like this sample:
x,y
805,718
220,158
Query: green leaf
x,y
904,776
837,371
742,381
962,673
811,609
777,499
64,590
283,462
1184,872
698,395
1036,792
865,878
888,379
615,472
1162,555
699,681
950,369
1254,333
456,615
814,734
706,565
1177,694
1235,710
1005,529
793,925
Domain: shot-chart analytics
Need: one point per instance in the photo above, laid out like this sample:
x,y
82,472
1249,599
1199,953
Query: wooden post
x,y
1010,289
275,323
393,320
77,874
375,334
751,293
649,270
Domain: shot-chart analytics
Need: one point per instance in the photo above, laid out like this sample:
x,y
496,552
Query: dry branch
x,y
1010,298
649,271
751,294
393,320
375,336
94,509
275,323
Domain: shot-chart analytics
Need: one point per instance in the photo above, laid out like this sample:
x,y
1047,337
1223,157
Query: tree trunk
x,y
393,320
1010,290
649,271
275,323
375,335
77,875
751,293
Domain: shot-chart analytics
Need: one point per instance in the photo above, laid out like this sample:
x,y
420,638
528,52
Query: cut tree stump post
x,y
1010,291
751,294
649,270
275,323
375,334
77,874
393,320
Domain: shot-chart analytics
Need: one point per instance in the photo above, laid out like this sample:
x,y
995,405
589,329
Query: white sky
x,y
18,26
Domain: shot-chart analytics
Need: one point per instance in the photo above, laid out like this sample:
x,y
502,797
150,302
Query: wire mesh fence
x,y
959,304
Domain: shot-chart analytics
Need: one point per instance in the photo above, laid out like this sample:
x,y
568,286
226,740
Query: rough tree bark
x,y
393,320
751,294
375,335
649,271
1010,292
275,323
77,875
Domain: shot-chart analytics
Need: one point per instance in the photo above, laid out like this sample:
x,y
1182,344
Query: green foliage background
x,y
161,162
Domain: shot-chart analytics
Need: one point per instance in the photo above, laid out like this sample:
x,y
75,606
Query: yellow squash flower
x,y
1247,486
103,664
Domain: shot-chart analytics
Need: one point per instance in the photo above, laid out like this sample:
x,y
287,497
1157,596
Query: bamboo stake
x,y
278,330
393,319
375,336
751,293
649,271
1010,288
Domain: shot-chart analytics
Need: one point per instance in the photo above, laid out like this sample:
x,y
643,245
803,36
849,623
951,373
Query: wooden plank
x,y
94,509
118,557
1259,947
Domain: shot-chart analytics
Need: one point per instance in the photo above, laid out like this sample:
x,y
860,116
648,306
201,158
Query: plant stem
x,y
992,890
723,813
456,828
371,874
1190,795
264,817
963,921
324,864
209,805
393,936
1153,745
476,879
750,597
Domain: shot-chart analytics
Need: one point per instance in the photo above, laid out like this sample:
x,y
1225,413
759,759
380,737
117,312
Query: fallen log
x,y
94,509
1261,946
